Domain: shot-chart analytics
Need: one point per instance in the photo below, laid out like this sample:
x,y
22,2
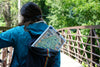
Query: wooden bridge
x,y
80,48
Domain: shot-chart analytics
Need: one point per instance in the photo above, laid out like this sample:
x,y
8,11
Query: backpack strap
x,y
32,36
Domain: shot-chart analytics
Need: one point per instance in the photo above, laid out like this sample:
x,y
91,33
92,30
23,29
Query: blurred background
x,y
59,13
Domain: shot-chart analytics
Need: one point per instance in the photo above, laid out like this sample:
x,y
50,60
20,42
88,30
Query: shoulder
x,y
13,31
16,29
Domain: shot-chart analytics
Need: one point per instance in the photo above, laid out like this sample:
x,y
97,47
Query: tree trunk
x,y
6,13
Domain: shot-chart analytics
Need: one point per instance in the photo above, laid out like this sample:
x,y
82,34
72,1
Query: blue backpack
x,y
39,57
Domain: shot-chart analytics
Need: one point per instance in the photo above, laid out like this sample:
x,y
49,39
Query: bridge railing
x,y
83,44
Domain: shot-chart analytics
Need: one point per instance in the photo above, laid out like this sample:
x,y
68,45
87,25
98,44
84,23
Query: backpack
x,y
39,57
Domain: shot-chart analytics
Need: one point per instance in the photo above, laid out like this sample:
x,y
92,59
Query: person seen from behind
x,y
19,37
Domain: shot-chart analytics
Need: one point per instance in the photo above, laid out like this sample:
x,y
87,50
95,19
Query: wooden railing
x,y
5,53
83,43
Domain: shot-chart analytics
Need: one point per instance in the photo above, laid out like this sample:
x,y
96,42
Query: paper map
x,y
50,39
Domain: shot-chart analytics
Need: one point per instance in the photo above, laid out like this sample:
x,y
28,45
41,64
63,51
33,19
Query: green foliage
x,y
62,13
14,9
88,13
1,10
2,24
65,13
14,12
85,65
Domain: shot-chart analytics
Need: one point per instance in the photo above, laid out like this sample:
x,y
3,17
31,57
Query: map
x,y
50,39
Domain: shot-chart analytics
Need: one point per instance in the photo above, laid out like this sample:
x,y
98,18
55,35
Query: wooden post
x,y
4,55
64,35
78,44
69,46
94,58
1,64
9,59
92,48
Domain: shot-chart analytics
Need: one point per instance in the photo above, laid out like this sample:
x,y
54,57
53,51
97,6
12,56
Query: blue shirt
x,y
18,38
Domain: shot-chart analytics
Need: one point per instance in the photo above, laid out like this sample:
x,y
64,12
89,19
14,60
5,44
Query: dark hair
x,y
31,13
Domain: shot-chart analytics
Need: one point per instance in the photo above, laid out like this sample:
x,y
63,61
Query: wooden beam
x,y
82,27
5,28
